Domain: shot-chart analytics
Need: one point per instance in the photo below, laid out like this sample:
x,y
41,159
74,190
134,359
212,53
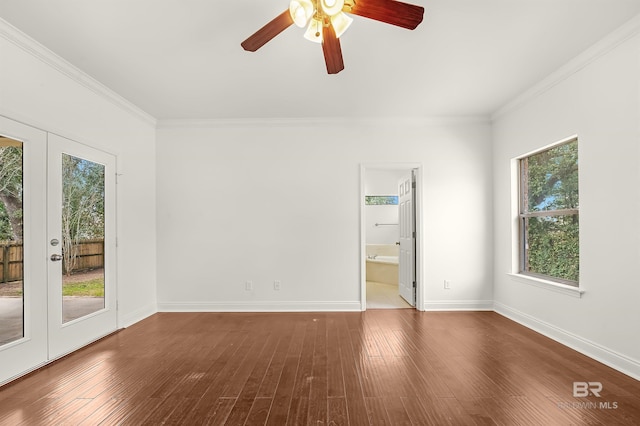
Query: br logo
x,y
584,389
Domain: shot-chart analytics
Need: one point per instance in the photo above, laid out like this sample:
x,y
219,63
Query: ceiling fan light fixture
x,y
326,22
301,11
314,31
332,7
340,23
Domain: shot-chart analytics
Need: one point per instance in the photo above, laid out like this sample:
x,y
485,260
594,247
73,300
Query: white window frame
x,y
516,232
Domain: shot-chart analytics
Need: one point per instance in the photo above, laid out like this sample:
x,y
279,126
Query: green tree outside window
x,y
549,213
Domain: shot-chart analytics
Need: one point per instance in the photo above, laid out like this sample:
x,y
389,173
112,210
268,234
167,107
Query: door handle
x,y
56,257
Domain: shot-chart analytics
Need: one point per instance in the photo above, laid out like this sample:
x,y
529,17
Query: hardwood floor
x,y
380,367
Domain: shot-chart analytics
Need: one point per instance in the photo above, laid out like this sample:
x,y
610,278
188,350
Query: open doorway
x,y
390,236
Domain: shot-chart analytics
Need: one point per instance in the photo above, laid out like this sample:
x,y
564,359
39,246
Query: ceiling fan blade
x,y
269,31
331,49
389,11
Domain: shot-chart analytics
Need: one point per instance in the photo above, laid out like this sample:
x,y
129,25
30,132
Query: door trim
x,y
364,167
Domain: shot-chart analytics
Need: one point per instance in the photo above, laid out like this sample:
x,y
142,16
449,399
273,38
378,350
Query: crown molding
x,y
628,30
322,122
38,51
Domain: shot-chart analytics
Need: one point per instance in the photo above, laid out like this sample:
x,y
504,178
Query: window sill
x,y
549,285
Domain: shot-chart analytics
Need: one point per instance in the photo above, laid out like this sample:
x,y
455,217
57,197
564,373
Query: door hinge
x,y
413,234
413,185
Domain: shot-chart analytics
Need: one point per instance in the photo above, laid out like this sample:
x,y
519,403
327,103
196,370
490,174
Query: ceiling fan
x,y
326,22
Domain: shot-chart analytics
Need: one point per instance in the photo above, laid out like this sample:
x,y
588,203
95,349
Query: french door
x,y
81,245
57,237
23,290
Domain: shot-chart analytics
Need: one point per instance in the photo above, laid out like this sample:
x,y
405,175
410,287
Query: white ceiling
x,y
181,59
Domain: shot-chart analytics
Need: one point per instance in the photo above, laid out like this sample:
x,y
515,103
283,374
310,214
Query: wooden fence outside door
x,y
90,256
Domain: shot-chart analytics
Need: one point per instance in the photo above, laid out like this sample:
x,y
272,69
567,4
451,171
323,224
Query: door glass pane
x,y
82,237
11,258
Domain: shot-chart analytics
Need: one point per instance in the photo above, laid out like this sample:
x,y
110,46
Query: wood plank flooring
x,y
380,367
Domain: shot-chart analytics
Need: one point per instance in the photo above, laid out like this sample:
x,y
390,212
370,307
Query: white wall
x,y
281,201
598,99
382,182
41,90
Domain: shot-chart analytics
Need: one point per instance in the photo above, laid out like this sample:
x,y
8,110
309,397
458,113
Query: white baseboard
x,y
611,358
127,320
458,305
259,306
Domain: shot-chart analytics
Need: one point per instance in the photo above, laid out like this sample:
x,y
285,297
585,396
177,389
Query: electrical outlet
x,y
248,285
447,285
276,285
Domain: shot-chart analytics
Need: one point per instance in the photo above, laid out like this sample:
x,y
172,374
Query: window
x,y
549,214
381,200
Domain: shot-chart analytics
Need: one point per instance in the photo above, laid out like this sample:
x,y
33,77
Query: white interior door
x,y
407,225
23,296
81,245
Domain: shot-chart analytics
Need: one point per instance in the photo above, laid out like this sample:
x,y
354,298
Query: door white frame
x,y
30,352
33,350
364,167
68,337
